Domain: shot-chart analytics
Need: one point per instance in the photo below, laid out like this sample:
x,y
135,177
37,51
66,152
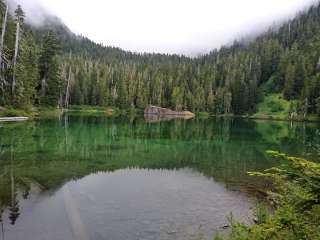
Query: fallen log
x,y
13,119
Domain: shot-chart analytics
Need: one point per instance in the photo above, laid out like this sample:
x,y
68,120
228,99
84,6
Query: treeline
x,y
233,79
29,73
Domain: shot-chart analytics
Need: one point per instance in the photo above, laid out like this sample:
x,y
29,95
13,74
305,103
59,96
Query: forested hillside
x,y
29,73
37,70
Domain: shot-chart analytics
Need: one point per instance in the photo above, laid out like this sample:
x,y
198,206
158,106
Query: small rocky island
x,y
154,113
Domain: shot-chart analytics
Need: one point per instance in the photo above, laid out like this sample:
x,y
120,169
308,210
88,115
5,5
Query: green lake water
x,y
94,177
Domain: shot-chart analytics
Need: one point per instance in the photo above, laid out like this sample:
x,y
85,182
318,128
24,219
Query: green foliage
x,y
203,114
13,113
53,86
230,80
262,213
19,14
25,79
272,85
49,112
87,108
273,105
27,74
109,111
318,106
297,203
51,82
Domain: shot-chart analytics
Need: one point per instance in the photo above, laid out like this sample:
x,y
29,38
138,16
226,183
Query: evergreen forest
x,y
51,66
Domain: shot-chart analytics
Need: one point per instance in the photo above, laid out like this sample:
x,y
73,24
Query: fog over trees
x,y
57,68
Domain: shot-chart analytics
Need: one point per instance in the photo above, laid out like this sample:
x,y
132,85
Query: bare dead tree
x,y
15,57
3,32
67,96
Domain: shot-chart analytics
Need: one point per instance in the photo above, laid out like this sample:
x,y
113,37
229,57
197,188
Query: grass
x,y
274,106
47,112
203,115
31,113
110,111
86,108
313,118
53,112
11,112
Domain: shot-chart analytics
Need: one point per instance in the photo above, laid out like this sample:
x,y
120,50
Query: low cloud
x,y
188,27
35,12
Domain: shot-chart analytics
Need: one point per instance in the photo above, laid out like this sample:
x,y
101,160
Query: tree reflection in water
x,y
47,153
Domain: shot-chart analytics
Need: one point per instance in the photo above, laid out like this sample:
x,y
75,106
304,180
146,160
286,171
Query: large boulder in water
x,y
154,110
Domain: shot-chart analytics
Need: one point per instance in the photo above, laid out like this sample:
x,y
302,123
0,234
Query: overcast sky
x,y
166,26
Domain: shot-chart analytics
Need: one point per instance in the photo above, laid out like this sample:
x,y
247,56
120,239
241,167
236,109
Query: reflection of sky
x,y
131,204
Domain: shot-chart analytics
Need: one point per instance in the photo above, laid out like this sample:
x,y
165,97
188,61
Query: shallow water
x,y
93,177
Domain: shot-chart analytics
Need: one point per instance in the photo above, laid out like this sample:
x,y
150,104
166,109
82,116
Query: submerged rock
x,y
154,110
160,118
157,114
110,111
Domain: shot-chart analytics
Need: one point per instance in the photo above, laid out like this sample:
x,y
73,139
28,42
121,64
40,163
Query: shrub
x,y
275,106
13,113
296,199
203,114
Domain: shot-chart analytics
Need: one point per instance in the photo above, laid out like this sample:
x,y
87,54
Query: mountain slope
x,y
232,79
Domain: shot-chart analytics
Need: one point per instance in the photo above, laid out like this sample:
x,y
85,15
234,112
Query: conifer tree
x,y
299,77
53,84
27,72
19,15
289,82
50,77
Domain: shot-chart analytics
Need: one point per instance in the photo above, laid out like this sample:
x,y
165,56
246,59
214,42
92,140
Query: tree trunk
x,y
4,26
16,49
318,64
66,102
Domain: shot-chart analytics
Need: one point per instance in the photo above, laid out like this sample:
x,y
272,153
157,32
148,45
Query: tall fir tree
x,y
27,72
19,18
50,77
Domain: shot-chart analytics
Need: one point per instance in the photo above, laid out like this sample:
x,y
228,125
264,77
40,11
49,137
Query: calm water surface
x,y
93,177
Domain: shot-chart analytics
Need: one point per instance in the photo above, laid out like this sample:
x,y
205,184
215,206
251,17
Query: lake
x,y
95,177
